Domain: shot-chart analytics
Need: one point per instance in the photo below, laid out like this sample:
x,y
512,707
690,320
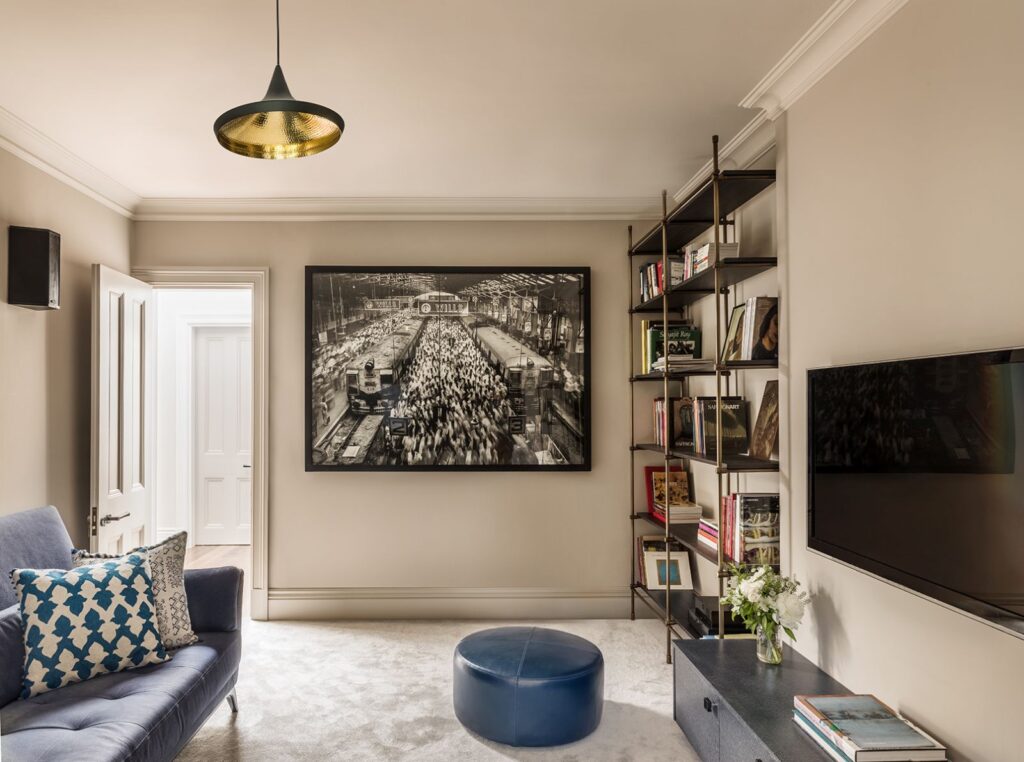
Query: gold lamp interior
x,y
278,134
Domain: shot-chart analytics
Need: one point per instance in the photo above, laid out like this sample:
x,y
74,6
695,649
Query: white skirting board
x,y
447,603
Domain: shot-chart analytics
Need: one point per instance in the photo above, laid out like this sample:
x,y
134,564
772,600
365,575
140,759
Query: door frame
x,y
257,280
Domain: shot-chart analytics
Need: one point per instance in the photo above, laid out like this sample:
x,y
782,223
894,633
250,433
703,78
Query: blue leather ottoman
x,y
528,686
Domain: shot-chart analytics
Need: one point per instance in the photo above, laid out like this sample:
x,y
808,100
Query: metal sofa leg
x,y
233,701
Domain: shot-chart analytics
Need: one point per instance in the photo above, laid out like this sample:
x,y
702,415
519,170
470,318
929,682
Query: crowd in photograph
x,y
455,403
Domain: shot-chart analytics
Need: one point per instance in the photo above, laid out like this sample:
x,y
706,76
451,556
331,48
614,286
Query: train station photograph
x,y
447,368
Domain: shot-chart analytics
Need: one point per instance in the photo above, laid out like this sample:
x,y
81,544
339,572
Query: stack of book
x,y
683,344
707,534
670,505
700,258
652,278
734,425
863,729
750,530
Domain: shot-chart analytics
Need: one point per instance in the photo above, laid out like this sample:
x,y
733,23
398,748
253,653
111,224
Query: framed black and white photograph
x,y
447,368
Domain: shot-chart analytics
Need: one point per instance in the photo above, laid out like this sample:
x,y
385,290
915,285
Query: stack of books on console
x,y
707,534
863,729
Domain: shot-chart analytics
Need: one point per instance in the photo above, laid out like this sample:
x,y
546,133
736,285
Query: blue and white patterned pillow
x,y
85,622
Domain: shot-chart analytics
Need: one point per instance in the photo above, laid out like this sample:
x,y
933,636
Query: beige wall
x,y
903,179
561,534
44,370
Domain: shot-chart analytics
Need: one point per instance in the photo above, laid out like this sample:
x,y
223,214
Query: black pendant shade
x,y
278,127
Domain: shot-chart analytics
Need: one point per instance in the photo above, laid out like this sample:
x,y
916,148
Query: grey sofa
x,y
144,714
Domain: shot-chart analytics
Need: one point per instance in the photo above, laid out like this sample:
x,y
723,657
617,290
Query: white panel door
x,y
123,363
222,426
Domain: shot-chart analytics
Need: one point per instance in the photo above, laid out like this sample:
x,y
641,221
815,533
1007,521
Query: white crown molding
x,y
378,209
845,25
30,145
748,145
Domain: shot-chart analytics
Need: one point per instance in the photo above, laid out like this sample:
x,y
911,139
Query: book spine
x,y
829,748
824,726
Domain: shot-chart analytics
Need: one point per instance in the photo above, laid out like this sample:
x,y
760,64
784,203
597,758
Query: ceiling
x,y
510,99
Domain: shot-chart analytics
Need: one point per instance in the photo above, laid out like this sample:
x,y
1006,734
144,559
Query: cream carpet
x,y
383,691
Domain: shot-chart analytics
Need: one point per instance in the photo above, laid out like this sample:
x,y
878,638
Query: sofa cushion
x,y
147,713
85,622
167,564
34,539
12,654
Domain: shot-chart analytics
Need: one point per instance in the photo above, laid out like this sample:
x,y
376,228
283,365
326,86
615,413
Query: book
x,y
734,425
761,329
756,529
821,740
679,487
765,440
864,729
683,343
654,543
733,347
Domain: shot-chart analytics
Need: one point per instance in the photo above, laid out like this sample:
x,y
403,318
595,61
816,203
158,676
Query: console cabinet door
x,y
736,741
696,710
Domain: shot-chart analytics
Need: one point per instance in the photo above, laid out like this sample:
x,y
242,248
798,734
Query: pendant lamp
x,y
278,127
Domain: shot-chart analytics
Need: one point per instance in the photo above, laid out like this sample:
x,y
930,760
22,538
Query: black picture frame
x,y
316,458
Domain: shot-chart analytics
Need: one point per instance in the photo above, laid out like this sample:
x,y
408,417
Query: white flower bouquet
x,y
768,604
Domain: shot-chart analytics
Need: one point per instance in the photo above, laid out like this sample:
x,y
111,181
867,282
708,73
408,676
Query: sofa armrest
x,y
214,598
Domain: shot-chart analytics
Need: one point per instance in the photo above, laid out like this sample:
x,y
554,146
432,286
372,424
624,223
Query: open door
x,y
123,331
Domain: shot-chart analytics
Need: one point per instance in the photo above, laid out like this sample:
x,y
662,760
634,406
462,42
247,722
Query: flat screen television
x,y
915,475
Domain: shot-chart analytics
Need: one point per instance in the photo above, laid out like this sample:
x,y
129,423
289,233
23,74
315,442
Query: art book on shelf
x,y
683,344
765,439
751,530
653,543
761,328
734,425
863,729
733,347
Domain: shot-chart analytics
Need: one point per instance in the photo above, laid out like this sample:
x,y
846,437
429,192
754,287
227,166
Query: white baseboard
x,y
447,603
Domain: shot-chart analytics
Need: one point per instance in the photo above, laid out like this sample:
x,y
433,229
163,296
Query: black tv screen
x,y
916,474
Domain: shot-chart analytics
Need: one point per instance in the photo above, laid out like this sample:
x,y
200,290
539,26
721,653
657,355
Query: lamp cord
x,y
277,4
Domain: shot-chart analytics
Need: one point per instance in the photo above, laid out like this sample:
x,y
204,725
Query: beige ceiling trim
x,y
376,209
845,25
35,148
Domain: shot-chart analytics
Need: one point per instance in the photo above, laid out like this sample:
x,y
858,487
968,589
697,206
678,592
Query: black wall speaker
x,y
33,268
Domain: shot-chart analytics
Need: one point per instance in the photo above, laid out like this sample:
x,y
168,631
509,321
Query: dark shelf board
x,y
730,272
680,600
731,463
724,368
677,374
748,364
685,533
695,213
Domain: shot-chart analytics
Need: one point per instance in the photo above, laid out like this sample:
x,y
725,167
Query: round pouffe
x,y
528,686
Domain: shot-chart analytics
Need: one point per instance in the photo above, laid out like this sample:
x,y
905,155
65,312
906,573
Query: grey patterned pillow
x,y
167,563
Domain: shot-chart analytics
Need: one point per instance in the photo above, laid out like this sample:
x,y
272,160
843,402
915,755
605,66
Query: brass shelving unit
x,y
707,208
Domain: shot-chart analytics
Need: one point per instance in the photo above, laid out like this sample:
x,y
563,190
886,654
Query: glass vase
x,y
769,645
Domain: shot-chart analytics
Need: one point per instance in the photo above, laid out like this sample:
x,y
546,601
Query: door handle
x,y
110,519
246,466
